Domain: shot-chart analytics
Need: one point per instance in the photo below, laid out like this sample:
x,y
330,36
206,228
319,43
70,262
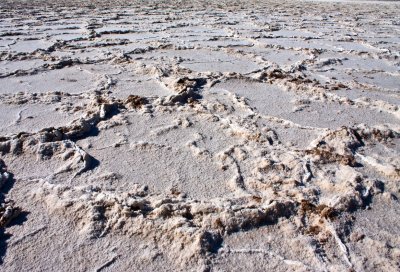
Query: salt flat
x,y
199,136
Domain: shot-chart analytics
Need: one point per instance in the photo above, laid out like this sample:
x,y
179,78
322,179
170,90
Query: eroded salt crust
x,y
161,136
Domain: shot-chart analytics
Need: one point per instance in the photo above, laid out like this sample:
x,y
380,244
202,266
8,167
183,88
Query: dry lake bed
x,y
199,135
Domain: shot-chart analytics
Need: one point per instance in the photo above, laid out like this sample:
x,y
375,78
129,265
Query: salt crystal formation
x,y
204,136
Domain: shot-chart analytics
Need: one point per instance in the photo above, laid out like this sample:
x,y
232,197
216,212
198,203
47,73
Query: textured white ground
x,y
199,136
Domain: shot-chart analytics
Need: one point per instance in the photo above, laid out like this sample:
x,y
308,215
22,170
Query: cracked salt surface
x,y
207,136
